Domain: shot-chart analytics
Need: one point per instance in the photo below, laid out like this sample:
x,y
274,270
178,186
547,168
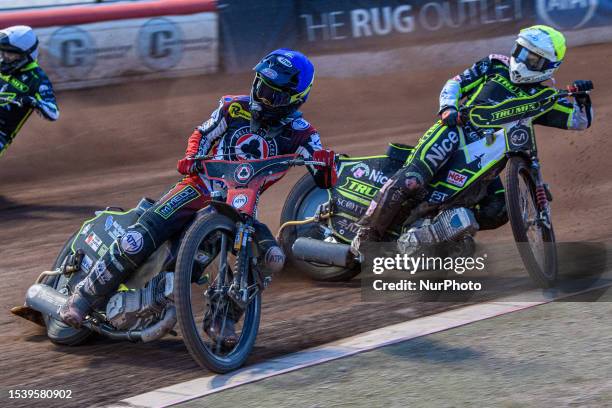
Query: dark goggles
x,y
270,95
532,61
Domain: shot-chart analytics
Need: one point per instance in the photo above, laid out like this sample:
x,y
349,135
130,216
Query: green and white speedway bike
x,y
318,225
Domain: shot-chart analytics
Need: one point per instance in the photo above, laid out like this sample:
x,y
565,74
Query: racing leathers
x,y
487,82
21,93
227,135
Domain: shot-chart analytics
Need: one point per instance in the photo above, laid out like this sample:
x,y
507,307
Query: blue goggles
x,y
533,61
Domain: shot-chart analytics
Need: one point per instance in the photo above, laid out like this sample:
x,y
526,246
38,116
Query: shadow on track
x,y
10,211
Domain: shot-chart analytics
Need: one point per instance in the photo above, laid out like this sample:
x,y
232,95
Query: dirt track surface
x,y
114,145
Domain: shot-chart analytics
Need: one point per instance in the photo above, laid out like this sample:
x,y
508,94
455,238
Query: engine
x,y
450,225
138,308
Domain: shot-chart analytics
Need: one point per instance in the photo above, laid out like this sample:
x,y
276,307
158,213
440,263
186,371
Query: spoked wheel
x,y
532,228
218,334
302,202
57,331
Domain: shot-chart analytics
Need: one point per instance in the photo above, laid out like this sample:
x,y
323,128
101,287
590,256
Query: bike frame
x,y
245,180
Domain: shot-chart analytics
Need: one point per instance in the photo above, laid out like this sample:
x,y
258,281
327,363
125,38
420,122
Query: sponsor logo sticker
x,y
441,148
103,250
359,189
236,111
284,61
300,124
243,173
437,197
240,201
270,73
178,200
360,169
132,242
108,223
86,229
456,179
86,263
519,137
93,241
100,266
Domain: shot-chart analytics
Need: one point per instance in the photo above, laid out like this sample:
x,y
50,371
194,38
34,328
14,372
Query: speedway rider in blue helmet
x,y
263,124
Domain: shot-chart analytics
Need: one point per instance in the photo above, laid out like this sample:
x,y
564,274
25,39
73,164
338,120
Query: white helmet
x,y
538,52
20,40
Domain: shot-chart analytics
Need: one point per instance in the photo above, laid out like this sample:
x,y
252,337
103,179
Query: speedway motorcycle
x,y
318,225
203,273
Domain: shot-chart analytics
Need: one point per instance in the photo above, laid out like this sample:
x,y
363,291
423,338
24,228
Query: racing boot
x,y
92,292
400,193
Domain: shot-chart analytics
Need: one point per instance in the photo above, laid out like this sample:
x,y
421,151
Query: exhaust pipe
x,y
146,335
159,329
328,253
48,301
45,299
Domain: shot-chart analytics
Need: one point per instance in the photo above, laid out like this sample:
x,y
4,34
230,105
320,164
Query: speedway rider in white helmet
x,y
538,52
24,86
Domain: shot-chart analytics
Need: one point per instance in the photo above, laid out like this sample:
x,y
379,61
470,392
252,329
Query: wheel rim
x,y
208,300
535,230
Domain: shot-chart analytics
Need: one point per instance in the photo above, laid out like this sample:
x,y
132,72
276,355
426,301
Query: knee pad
x,y
273,260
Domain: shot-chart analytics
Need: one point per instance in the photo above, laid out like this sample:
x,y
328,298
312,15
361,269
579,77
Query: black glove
x,y
582,86
449,116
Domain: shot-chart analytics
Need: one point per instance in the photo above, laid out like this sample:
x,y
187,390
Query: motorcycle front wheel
x,y
532,230
202,279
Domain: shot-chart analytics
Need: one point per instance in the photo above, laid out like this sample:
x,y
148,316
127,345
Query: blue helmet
x,y
283,80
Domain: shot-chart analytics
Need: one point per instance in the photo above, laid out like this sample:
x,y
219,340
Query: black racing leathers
x,y
487,82
32,89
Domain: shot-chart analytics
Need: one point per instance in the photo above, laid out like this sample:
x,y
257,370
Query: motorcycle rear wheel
x,y
188,283
57,331
301,203
535,241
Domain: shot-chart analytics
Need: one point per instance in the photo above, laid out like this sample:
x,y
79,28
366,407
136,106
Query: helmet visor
x,y
8,56
532,61
268,94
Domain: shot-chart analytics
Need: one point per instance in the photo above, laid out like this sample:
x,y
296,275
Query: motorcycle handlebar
x,y
462,118
302,162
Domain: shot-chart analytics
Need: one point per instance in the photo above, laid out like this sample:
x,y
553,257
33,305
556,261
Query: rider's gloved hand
x,y
188,166
328,157
449,116
582,86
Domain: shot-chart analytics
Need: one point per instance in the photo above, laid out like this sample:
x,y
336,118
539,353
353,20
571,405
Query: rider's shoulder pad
x,y
300,124
504,59
228,99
